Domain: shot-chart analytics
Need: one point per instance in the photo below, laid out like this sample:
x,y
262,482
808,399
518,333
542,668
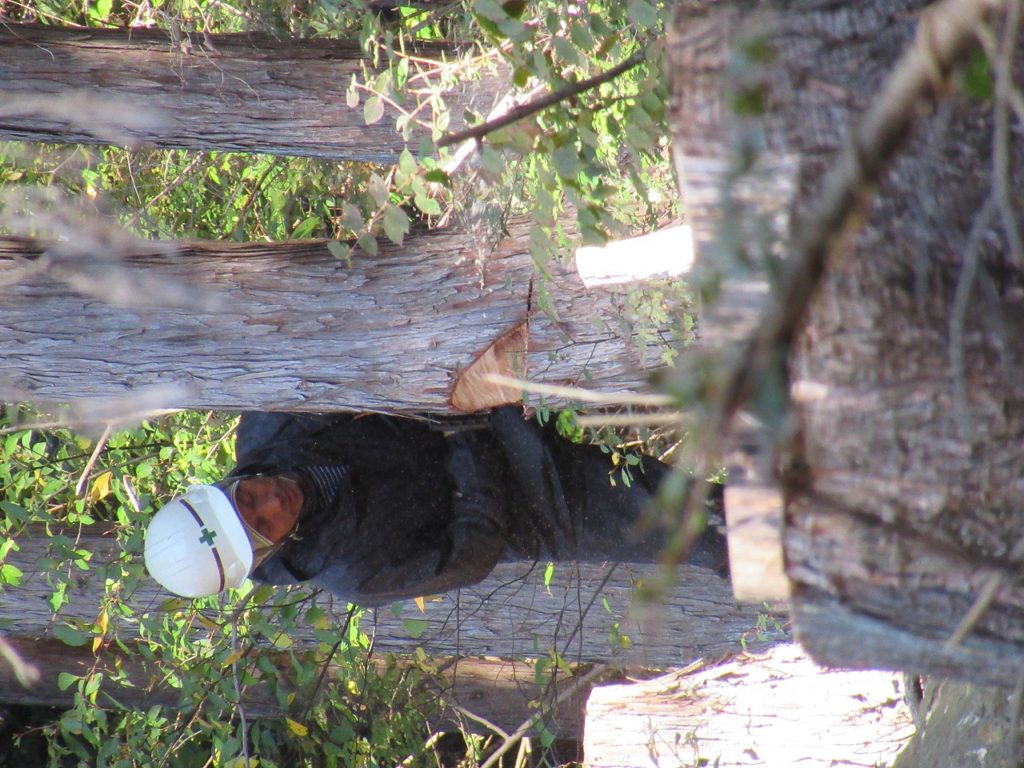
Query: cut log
x,y
903,492
286,326
777,709
238,92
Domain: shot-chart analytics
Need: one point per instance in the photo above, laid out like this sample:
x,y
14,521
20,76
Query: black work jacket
x,y
422,511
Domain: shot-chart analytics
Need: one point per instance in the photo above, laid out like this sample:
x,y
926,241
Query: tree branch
x,y
530,108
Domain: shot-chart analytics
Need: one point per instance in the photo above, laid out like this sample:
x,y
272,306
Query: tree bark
x,y
287,326
902,482
238,92
510,615
775,709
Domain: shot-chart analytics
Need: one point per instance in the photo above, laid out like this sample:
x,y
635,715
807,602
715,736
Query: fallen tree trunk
x,y
902,474
286,326
233,92
775,709
586,613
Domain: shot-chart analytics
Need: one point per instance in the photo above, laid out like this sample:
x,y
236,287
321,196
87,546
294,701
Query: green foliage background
x,y
590,168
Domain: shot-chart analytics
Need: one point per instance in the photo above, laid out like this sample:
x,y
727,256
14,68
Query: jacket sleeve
x,y
463,552
538,483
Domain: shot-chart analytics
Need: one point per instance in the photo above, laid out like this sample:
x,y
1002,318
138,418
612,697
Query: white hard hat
x,y
196,545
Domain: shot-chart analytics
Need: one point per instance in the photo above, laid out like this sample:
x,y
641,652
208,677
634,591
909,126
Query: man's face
x,y
269,505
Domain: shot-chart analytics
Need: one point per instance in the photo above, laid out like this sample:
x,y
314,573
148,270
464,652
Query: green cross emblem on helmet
x,y
208,537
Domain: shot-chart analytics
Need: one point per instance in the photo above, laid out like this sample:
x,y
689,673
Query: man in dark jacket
x,y
377,509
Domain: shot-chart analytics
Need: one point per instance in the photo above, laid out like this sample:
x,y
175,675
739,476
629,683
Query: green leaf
x,y
65,680
367,243
407,163
581,36
438,176
415,627
373,110
305,228
569,52
566,161
977,77
396,224
643,14
13,511
351,217
547,738
428,205
69,635
489,9
10,574
172,604
378,190
342,251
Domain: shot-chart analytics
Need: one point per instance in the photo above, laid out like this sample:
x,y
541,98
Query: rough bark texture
x,y
510,615
961,724
904,490
287,326
776,709
247,93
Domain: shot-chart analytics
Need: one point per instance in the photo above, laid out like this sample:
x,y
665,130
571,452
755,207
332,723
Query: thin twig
x,y
238,693
129,491
1001,132
83,479
531,108
478,719
659,419
583,395
958,314
986,596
